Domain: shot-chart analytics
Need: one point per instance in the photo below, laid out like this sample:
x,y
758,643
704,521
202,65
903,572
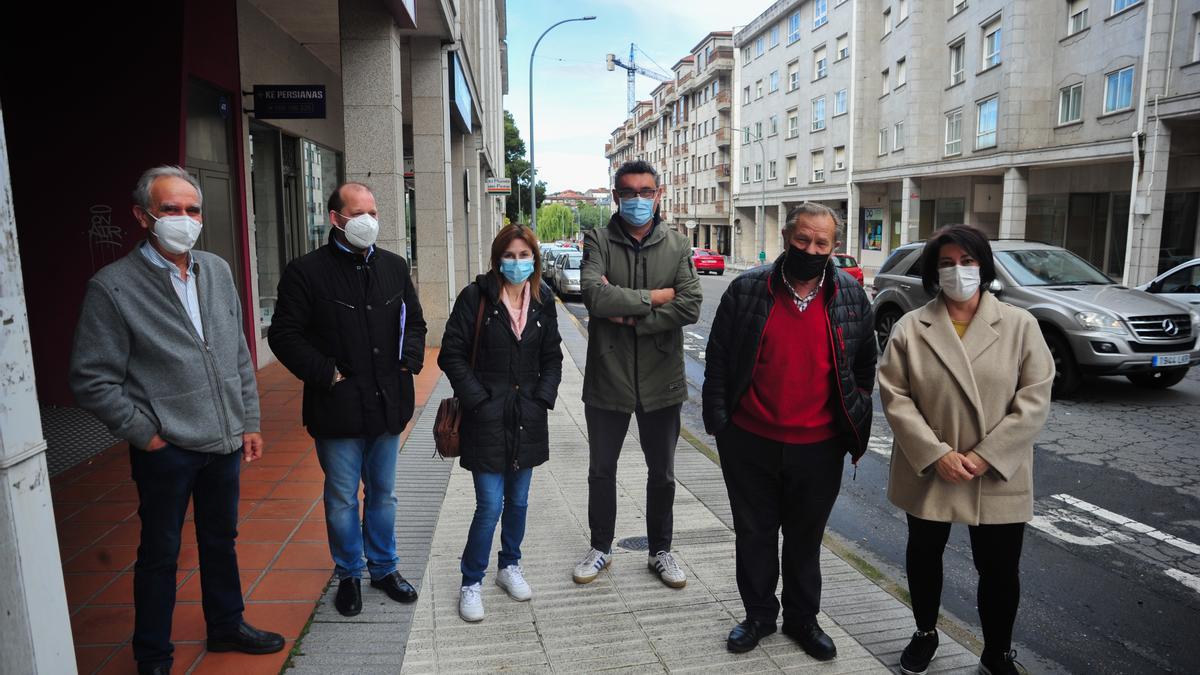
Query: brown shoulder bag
x,y
449,414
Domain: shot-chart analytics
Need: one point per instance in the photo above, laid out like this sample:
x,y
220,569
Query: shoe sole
x,y
906,671
672,584
510,593
403,601
460,615
587,580
230,647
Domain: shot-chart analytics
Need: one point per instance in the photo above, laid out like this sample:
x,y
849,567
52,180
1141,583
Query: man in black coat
x,y
348,323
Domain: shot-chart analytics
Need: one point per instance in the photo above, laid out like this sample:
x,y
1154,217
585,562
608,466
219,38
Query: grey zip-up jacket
x,y
138,365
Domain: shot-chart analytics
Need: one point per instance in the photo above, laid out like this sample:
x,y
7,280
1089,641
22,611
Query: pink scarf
x,y
516,315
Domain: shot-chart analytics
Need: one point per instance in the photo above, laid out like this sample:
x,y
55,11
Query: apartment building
x,y
1066,122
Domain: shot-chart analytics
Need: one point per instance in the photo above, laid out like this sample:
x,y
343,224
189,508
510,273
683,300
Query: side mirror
x,y
996,287
1155,287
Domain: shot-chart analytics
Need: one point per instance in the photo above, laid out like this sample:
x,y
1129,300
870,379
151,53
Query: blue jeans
x,y
498,496
346,461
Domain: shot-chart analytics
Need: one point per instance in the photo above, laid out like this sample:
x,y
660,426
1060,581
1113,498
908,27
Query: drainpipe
x,y
1128,277
852,247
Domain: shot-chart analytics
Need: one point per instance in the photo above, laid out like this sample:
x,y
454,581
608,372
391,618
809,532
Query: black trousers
x,y
659,431
996,550
773,485
167,479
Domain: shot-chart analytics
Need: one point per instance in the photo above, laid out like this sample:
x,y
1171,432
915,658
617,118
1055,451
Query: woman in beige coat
x,y
965,382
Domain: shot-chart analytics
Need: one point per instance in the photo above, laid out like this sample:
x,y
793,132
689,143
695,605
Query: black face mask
x,y
802,265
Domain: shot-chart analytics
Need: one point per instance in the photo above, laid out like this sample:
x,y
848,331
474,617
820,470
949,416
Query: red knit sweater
x,y
788,399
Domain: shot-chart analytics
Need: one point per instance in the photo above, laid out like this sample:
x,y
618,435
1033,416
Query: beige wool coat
x,y
988,391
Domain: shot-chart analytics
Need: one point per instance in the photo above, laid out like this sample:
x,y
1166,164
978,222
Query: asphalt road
x,y
1111,565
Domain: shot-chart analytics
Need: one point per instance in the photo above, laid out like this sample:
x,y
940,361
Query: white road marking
x,y
1129,523
701,356
697,336
1190,580
690,347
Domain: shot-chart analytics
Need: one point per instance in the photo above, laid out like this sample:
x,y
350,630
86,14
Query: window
x,y
771,175
793,71
794,27
745,55
1118,90
745,94
758,130
839,103
843,47
839,158
885,77
791,170
793,123
820,66
985,126
760,46
758,172
991,44
887,22
745,174
901,11
820,13
773,125
818,166
1070,104
1077,11
883,141
1122,5
898,136
959,5
818,113
957,62
774,81
901,72
1196,37
745,135
758,89
954,133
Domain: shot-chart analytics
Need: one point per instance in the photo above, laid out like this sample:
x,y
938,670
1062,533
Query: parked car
x,y
549,257
708,260
849,264
1180,283
566,274
1092,325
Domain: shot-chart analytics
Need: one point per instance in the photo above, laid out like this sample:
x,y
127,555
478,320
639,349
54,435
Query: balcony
x,y
724,101
679,179
723,135
722,59
724,173
681,150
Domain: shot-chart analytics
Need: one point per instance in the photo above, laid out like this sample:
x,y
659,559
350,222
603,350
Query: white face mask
x,y
361,231
177,234
960,282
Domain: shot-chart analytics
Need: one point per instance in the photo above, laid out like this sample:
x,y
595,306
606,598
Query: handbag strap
x,y
478,325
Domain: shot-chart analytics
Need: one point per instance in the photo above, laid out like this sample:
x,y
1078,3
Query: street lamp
x,y
532,165
519,190
761,224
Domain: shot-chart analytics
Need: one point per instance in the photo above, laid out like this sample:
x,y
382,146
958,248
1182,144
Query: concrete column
x,y
371,88
1146,210
430,118
910,210
35,628
1014,202
464,244
853,245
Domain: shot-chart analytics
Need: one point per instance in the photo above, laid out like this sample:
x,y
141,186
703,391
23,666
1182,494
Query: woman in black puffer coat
x,y
505,399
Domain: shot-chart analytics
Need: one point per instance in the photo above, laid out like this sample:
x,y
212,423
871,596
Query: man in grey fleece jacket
x,y
160,358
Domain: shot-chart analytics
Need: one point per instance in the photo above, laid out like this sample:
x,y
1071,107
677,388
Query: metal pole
x,y
532,165
761,222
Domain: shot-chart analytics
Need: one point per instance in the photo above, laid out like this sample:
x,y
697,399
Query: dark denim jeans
x,y
167,479
346,461
498,496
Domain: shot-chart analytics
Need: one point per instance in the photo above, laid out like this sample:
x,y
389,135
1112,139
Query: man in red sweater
x,y
790,365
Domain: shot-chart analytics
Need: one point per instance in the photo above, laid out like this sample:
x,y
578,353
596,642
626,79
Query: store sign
x,y
499,186
461,105
289,101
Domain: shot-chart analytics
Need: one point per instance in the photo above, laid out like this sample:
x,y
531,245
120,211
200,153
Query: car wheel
x,y
720,273
1067,377
1159,379
885,321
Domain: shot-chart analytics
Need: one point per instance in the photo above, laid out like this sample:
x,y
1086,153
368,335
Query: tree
x,y
592,216
516,205
554,222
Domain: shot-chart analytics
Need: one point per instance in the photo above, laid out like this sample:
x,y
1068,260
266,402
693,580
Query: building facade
x,y
1062,122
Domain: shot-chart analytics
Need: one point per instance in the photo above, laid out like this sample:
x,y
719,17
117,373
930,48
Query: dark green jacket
x,y
628,365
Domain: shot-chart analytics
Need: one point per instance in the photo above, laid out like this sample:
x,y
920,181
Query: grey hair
x,y
635,166
141,193
815,209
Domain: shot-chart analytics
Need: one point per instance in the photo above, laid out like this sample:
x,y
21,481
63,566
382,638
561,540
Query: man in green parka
x,y
640,289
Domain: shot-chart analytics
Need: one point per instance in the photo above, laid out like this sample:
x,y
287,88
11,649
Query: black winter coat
x,y
506,397
334,309
737,331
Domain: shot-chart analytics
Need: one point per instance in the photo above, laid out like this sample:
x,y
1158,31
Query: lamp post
x,y
761,224
519,190
532,165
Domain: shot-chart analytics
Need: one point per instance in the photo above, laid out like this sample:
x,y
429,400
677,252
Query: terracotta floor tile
x,y
262,472
294,509
64,512
102,559
297,490
121,663
255,490
290,585
242,664
81,587
125,492
312,530
105,512
88,659
309,472
105,476
285,618
102,625
81,534
188,622
256,555
279,458
185,655
78,493
294,446
189,556
127,533
119,592
191,590
304,556
258,529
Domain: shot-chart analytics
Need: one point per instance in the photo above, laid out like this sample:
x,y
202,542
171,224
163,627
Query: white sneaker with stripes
x,y
589,568
664,564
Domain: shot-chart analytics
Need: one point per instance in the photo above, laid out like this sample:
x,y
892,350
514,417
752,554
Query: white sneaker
x,y
512,580
663,564
589,568
470,603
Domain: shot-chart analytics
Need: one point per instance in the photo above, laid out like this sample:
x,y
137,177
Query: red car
x,y
848,263
708,260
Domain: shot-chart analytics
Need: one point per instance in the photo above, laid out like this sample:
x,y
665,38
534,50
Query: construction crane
x,y
631,69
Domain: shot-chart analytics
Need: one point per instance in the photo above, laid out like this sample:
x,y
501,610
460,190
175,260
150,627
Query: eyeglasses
x,y
644,193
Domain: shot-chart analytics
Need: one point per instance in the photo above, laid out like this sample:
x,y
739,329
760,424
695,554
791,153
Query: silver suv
x,y
1092,325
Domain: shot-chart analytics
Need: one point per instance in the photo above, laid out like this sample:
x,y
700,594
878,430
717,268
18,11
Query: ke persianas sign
x,y
499,186
289,101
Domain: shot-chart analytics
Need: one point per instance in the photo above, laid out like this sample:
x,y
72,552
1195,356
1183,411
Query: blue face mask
x,y
637,211
516,271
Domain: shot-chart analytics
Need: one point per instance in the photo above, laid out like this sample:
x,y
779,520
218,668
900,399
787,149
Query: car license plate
x,y
1171,360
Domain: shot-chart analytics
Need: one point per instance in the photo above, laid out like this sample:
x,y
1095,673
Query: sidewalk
x,y
626,620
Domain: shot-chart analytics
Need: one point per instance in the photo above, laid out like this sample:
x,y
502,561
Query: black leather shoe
x,y
348,600
396,587
248,640
812,640
745,635
154,669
